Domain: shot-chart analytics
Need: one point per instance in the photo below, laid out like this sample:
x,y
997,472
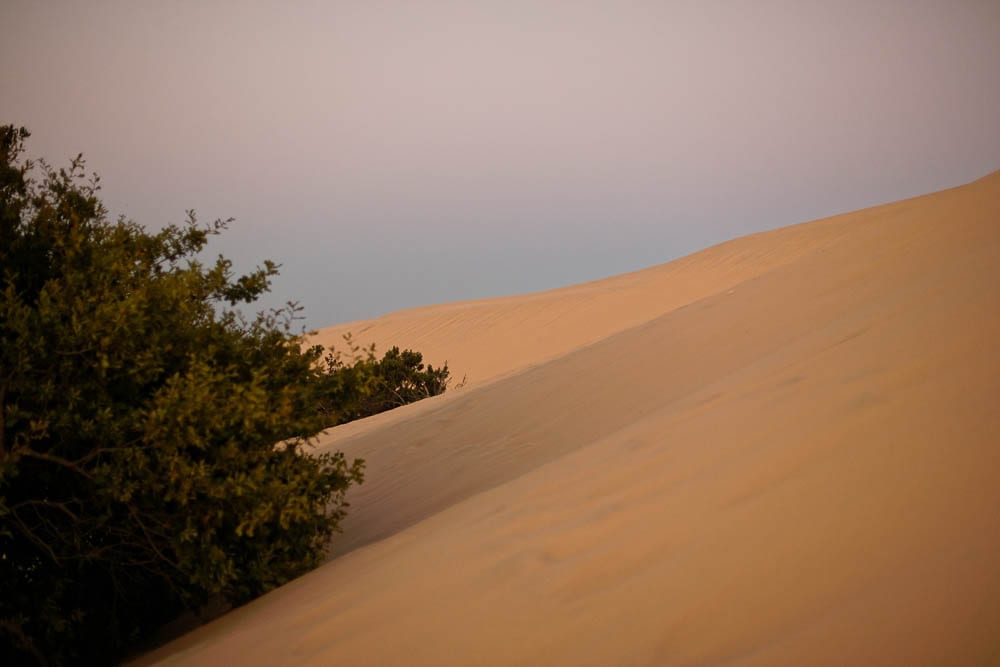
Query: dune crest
x,y
784,449
490,338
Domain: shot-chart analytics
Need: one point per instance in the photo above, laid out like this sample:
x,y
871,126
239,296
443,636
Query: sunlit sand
x,y
781,450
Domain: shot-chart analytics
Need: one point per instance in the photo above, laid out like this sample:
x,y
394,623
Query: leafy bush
x,y
139,416
400,378
369,385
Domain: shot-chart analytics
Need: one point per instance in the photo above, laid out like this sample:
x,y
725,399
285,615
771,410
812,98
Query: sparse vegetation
x,y
140,416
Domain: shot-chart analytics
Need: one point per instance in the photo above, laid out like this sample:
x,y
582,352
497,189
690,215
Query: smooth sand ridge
x,y
801,468
490,338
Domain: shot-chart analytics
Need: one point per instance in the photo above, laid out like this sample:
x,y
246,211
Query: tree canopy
x,y
155,444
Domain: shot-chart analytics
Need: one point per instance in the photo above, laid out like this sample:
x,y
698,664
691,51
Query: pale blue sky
x,y
394,154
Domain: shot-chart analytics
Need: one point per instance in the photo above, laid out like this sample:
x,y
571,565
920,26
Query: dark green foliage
x,y
399,378
139,416
369,385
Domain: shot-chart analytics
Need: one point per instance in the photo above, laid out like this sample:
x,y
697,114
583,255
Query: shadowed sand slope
x,y
793,457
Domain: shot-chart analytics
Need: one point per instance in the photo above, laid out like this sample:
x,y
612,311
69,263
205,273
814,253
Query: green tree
x,y
139,416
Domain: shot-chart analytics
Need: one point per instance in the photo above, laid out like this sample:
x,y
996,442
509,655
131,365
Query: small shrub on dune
x,y
369,385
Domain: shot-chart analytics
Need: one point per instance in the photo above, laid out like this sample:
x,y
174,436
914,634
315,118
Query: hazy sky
x,y
393,154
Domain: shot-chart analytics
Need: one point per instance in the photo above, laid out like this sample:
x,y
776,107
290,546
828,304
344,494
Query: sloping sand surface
x,y
783,450
490,338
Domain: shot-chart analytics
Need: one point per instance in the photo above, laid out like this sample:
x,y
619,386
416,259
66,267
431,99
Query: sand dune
x,y
781,450
490,338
